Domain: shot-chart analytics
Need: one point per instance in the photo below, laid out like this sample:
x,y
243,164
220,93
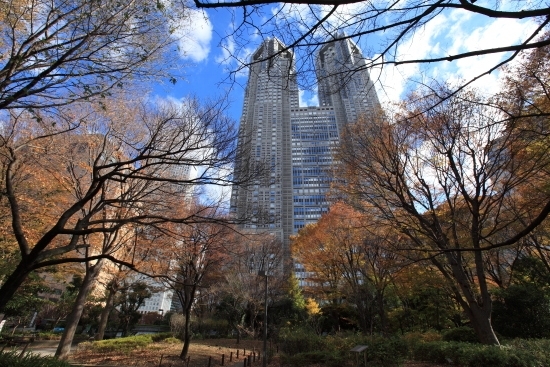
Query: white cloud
x,y
216,193
450,34
307,98
297,16
232,56
227,51
194,33
499,33
394,79
207,193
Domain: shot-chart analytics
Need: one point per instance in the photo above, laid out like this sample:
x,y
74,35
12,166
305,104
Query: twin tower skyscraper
x,y
296,144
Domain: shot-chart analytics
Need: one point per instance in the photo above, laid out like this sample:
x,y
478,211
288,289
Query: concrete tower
x,y
296,143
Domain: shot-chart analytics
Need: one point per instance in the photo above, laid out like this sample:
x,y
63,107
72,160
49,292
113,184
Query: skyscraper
x,y
297,143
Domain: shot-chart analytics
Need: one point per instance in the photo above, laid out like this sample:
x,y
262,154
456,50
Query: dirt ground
x,y
200,353
167,355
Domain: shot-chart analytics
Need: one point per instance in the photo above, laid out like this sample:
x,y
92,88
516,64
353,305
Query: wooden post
x,y
250,359
231,357
253,356
223,359
237,354
209,361
160,362
244,362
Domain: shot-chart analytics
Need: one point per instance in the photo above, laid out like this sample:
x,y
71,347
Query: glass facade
x,y
296,144
314,140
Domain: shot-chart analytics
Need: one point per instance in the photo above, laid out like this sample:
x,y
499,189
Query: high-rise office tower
x,y
296,143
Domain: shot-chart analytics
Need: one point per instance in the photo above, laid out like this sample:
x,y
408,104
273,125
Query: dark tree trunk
x,y
187,335
106,312
360,300
480,318
478,307
13,282
64,347
381,311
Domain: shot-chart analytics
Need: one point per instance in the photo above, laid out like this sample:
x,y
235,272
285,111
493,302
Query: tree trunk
x,y
360,300
478,307
64,347
106,312
13,282
187,336
480,317
381,311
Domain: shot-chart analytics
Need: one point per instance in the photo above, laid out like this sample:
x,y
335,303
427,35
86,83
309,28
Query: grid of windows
x,y
296,143
314,139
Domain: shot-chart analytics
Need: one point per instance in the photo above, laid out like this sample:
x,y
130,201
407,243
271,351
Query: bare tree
x,y
242,291
449,180
143,153
200,250
383,26
116,244
58,52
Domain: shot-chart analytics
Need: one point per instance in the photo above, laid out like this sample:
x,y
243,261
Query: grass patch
x,y
11,359
122,345
48,335
159,337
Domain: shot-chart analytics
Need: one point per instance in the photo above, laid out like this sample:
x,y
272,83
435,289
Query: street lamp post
x,y
264,274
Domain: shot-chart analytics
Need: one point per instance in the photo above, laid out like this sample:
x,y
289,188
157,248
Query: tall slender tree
x,y
62,51
139,159
447,178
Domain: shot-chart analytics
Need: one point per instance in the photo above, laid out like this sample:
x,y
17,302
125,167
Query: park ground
x,y
164,354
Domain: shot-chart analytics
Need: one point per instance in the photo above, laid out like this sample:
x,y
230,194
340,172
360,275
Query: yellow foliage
x,y
312,307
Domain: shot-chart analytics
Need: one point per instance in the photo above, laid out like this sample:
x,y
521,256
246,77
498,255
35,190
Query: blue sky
x,y
203,73
205,63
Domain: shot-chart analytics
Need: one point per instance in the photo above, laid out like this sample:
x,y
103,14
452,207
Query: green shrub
x,y
122,344
488,356
386,352
460,334
430,352
535,352
418,337
523,309
304,346
11,359
211,328
299,340
517,354
326,358
172,340
158,337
